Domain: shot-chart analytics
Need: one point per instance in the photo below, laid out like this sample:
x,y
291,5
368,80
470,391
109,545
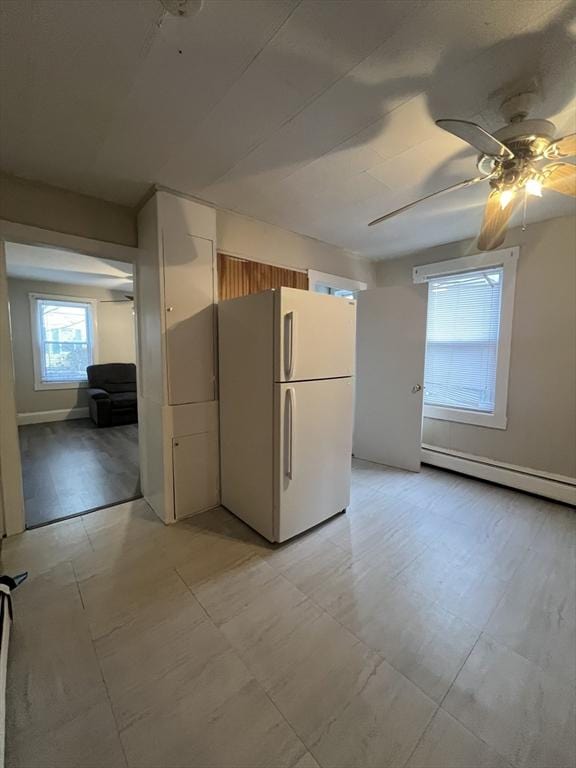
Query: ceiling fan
x,y
513,161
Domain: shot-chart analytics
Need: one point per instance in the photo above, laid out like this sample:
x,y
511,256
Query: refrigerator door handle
x,y
289,432
289,336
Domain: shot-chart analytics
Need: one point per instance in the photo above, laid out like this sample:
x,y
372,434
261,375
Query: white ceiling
x,y
51,265
316,116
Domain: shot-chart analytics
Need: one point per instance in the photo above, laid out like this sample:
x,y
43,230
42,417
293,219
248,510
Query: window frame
x,y
506,258
39,384
334,281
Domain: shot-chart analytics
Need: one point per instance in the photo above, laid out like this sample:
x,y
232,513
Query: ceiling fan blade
x,y
477,137
460,185
561,177
496,220
564,147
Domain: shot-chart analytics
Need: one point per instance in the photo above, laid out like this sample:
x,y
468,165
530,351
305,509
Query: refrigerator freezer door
x,y
315,336
314,453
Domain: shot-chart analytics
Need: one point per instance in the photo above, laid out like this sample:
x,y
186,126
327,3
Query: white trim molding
x,y
506,258
557,487
92,337
64,414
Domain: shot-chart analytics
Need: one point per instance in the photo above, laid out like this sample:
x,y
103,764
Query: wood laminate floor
x,y
70,467
432,626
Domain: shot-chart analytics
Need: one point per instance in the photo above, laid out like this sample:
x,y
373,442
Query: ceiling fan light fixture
x,y
506,198
534,187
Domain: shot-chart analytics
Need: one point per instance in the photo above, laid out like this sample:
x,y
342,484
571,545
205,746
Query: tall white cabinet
x,y
178,410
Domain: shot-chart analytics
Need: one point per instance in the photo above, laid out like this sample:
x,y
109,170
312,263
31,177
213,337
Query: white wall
x,y
115,341
541,432
242,236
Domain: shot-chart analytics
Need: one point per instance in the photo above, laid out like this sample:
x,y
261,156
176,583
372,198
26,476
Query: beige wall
x,y
115,341
60,210
252,239
541,432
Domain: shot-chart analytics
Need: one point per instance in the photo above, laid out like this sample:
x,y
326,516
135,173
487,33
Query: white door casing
x,y
391,343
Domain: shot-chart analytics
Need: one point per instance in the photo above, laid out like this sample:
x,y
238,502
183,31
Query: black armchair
x,y
112,396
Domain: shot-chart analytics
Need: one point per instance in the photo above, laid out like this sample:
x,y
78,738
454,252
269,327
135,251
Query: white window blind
x,y
462,340
65,339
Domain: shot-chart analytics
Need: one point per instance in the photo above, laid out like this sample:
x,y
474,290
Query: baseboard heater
x,y
556,487
7,586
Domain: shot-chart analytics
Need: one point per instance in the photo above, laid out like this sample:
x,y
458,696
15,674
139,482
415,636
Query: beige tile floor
x,y
432,626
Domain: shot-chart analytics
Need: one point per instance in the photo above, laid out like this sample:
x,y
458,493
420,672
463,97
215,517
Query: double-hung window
x,y
63,334
470,304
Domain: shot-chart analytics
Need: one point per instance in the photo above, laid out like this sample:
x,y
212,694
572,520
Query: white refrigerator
x,y
286,360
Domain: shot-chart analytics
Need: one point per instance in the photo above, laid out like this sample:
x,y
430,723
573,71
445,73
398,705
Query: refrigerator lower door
x,y
313,453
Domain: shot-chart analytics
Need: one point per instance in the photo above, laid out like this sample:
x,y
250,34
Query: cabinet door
x,y
195,473
190,317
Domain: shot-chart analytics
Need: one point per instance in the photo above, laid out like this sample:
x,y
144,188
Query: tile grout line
x,y
100,670
360,640
244,663
422,735
461,668
451,714
109,699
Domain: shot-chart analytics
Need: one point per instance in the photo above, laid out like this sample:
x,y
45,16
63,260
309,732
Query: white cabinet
x,y
175,284
195,473
190,317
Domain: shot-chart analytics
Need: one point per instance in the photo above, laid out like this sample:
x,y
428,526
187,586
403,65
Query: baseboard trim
x,y
556,487
39,417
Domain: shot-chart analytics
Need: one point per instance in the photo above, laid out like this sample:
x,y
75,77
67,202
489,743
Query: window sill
x,y
491,420
42,385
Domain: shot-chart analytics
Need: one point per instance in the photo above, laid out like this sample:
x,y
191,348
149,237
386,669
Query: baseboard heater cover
x,y
556,487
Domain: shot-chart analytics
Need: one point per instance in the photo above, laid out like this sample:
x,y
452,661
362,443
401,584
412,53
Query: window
x,y
468,338
63,332
329,291
333,285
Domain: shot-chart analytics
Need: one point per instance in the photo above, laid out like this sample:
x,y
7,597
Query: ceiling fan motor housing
x,y
526,138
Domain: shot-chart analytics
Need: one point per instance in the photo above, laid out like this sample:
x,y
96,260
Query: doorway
x,y
73,333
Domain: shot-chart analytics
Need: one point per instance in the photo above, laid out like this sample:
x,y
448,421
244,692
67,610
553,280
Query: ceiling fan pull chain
x,y
524,208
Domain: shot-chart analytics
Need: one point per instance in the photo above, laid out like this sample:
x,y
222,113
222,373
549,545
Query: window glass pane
x,y
65,340
462,340
344,292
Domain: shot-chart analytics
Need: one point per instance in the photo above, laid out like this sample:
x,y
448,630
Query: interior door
x,y
391,342
190,320
313,459
315,336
